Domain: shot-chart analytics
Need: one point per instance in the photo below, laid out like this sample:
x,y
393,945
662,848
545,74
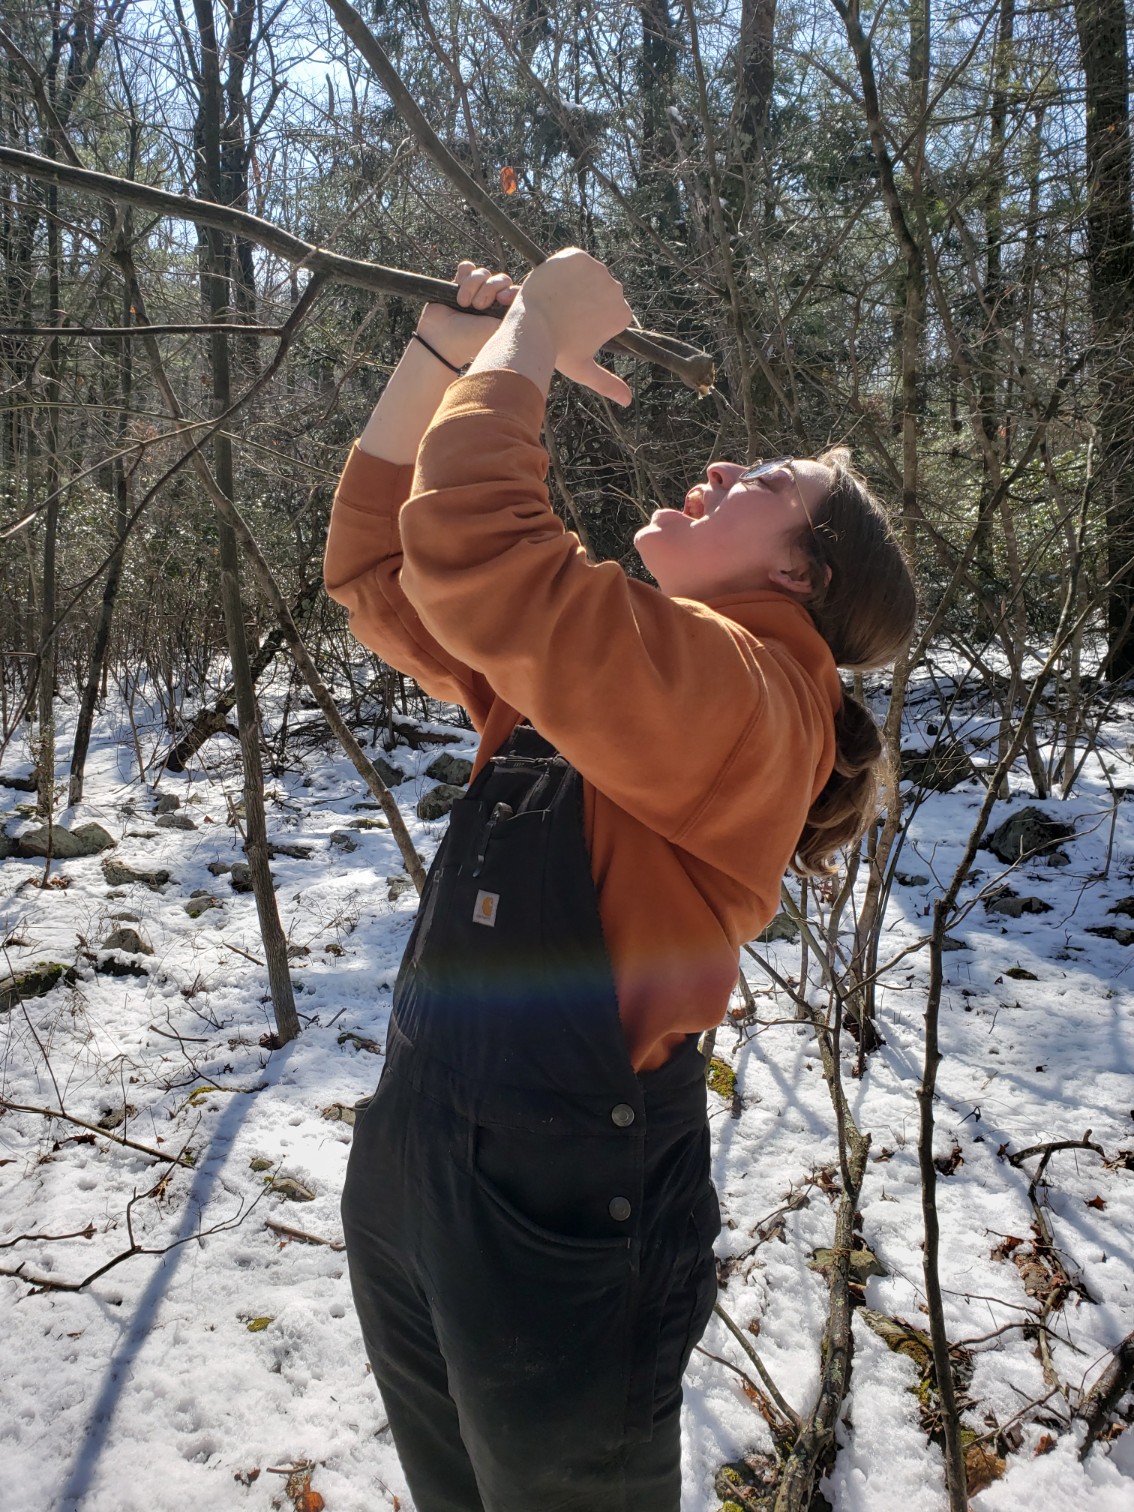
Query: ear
x,y
796,575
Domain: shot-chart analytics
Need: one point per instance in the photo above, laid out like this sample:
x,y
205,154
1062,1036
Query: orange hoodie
x,y
703,732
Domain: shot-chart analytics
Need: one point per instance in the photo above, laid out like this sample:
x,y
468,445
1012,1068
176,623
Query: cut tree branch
x,y
693,367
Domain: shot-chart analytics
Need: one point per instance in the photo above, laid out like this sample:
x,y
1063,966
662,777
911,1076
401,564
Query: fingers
x,y
609,384
477,288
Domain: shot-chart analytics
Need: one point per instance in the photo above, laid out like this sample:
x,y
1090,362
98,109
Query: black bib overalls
x,y
529,1224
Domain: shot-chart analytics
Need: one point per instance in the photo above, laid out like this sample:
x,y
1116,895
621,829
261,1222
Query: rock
x,y
21,784
438,801
341,841
168,803
901,1337
1123,906
912,879
392,776
120,874
454,770
367,824
297,952
950,942
396,887
260,1163
748,1484
940,770
128,940
200,903
721,1078
125,917
340,1112
293,1190
295,852
34,981
1004,901
175,821
8,846
219,868
115,1116
863,1263
1019,974
334,949
782,927
1113,932
117,965
359,1041
241,877
141,834
1027,832
92,838
64,844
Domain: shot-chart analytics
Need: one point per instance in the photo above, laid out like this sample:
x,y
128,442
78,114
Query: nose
x,y
723,474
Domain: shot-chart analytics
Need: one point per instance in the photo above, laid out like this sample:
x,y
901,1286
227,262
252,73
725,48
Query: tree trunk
x,y
215,289
1101,25
121,475
45,663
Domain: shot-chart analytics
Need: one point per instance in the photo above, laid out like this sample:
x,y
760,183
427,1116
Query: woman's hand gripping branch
x,y
446,340
566,309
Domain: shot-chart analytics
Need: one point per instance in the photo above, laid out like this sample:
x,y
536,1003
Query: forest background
x,y
906,227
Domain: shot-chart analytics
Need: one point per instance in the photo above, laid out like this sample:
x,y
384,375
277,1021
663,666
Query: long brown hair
x,y
864,604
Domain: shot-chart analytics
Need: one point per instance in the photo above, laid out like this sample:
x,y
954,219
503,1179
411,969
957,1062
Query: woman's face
x,y
734,536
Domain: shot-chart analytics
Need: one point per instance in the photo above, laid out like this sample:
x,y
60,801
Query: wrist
x,y
524,344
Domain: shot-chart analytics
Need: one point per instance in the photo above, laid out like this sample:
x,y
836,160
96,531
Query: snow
x,y
149,1390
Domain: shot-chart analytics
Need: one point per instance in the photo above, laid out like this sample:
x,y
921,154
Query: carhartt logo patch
x,y
484,911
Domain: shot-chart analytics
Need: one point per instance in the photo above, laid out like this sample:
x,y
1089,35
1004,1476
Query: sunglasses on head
x,y
761,469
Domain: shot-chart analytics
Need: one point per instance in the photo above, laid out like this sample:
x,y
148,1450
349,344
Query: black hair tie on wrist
x,y
451,366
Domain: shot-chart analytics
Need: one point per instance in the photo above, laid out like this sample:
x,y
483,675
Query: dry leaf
x,y
508,181
982,1467
1098,1203
1045,1445
309,1501
1006,1246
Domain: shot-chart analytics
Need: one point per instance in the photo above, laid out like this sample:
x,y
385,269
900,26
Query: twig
x,y
185,1039
51,1283
87,1233
305,1238
774,1421
1106,1393
237,950
750,1350
132,1144
1048,1150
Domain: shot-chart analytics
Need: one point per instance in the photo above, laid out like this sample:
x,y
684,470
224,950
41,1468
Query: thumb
x,y
608,384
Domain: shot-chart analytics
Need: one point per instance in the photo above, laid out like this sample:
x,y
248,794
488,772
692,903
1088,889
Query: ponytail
x,y
864,605
849,799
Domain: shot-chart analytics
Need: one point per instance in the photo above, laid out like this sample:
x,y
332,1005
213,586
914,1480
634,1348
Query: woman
x,y
528,1210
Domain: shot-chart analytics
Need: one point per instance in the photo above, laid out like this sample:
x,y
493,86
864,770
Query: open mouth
x,y
694,504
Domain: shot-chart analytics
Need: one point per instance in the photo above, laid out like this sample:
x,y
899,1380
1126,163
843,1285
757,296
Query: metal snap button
x,y
619,1209
622,1114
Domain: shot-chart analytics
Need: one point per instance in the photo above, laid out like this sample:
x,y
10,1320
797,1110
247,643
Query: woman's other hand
x,y
580,304
460,337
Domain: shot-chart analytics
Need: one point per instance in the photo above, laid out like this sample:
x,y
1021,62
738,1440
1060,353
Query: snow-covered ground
x,y
201,1374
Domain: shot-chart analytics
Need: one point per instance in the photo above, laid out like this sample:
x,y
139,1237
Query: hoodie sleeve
x,y
713,737
362,569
